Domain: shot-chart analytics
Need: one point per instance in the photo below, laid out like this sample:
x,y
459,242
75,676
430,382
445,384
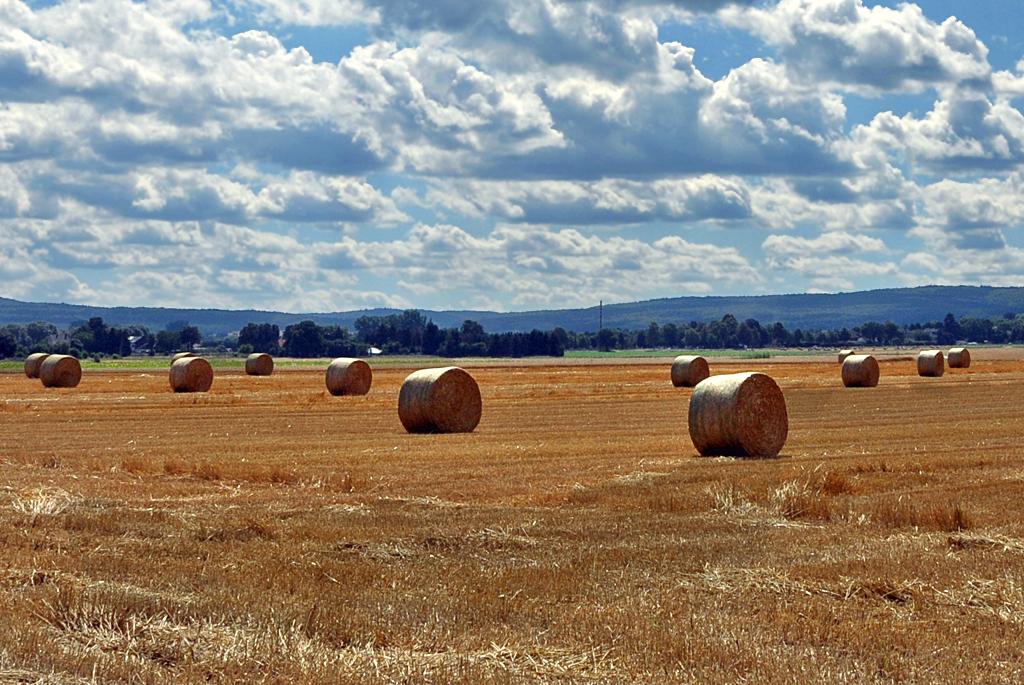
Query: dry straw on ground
x,y
930,363
959,358
439,401
689,371
60,371
349,377
191,374
741,414
259,364
860,371
32,363
843,354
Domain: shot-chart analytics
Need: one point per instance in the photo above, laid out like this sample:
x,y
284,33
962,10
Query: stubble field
x,y
269,532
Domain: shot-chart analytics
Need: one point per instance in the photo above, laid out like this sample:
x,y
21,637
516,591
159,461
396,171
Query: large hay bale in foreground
x,y
959,358
860,371
739,415
689,371
191,374
930,363
182,355
60,371
33,362
259,364
439,401
843,354
349,377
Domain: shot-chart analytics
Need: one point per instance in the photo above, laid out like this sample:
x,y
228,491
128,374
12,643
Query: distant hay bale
x,y
843,354
60,371
930,363
32,363
959,358
742,414
191,374
349,377
259,364
182,355
439,401
689,371
860,371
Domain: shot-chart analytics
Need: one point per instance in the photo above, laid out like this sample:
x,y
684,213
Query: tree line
x,y
407,333
412,333
730,333
95,338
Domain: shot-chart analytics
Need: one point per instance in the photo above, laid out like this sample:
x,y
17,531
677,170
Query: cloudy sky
x,y
326,155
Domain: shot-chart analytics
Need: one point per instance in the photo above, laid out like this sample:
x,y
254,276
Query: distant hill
x,y
902,305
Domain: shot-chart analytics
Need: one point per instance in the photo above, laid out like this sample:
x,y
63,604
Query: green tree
x,y
126,346
263,337
654,335
451,346
670,335
691,338
562,336
873,331
167,342
432,337
189,337
892,333
303,340
728,331
778,334
472,332
950,331
8,344
39,331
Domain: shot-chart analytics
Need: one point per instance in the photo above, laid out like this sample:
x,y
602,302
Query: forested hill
x,y
808,311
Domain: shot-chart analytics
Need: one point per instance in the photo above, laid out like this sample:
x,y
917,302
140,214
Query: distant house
x,y
139,343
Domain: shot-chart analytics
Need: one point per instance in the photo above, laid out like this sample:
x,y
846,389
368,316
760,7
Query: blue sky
x,y
505,154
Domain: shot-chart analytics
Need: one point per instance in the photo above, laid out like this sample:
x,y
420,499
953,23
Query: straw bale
x,y
443,400
32,363
60,371
959,358
930,363
689,371
259,364
843,354
191,374
349,377
860,371
742,414
182,355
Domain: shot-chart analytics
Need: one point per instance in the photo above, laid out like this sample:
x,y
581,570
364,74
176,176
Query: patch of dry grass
x,y
574,537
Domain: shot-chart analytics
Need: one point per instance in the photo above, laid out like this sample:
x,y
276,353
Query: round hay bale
x,y
349,377
689,371
182,355
739,415
959,358
32,363
191,374
439,401
930,363
259,364
860,371
843,354
60,371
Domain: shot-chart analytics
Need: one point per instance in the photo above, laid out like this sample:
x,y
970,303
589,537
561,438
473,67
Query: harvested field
x,y
266,531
